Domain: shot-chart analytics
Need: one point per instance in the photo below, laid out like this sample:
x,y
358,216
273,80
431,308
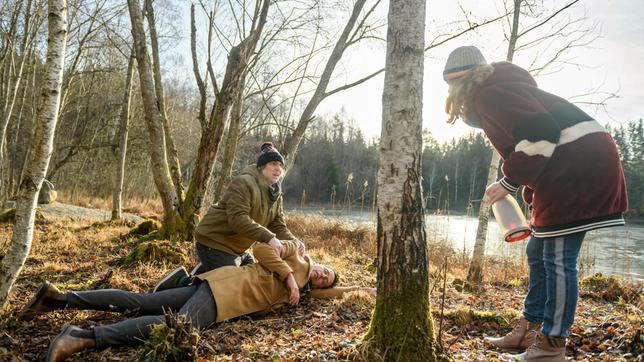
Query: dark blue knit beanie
x,y
269,153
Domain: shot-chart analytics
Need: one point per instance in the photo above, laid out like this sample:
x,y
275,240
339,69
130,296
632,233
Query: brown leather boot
x,y
66,344
47,298
545,349
521,337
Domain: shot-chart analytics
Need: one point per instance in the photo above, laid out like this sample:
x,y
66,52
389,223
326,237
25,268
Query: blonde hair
x,y
459,89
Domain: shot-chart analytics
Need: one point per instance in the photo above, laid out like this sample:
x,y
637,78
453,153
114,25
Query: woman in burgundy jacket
x,y
571,175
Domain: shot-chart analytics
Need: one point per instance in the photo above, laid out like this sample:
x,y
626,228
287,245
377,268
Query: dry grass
x,y
80,255
332,235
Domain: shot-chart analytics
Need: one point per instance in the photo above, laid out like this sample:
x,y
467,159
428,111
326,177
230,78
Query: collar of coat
x,y
274,191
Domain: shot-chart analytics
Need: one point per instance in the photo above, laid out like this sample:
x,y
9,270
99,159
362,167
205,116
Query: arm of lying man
x,y
266,257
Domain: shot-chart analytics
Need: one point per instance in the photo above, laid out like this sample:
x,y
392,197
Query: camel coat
x,y
260,287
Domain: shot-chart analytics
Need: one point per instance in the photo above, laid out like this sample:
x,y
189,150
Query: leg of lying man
x,y
200,310
116,300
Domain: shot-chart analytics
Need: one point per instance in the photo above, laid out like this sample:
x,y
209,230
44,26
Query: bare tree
x,y
181,212
349,36
213,128
232,140
124,121
401,325
12,72
154,122
171,150
42,143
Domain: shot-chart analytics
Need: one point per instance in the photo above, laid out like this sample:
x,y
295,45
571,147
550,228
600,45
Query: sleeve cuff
x,y
268,236
509,185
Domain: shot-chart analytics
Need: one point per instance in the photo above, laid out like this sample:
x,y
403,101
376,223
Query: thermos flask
x,y
510,219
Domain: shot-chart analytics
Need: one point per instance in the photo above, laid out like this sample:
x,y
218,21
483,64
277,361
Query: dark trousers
x,y
196,302
212,258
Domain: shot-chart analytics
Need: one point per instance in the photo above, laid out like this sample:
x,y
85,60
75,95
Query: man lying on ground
x,y
218,295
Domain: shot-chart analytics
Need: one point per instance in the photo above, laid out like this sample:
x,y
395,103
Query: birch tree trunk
x,y
42,145
154,123
123,132
475,271
401,325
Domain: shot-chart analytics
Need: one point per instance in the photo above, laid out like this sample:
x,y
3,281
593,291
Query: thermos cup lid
x,y
510,219
517,235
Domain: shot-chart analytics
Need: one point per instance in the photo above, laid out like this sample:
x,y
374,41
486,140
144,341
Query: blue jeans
x,y
553,283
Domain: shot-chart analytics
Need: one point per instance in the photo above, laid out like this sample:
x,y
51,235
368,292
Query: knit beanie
x,y
269,153
461,60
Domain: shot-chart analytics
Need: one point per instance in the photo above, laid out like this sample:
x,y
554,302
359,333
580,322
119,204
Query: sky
x,y
611,63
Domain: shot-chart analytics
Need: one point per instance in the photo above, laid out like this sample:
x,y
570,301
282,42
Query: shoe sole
x,y
29,313
171,274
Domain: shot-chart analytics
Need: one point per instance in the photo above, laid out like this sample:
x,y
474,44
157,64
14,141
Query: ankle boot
x,y
521,337
68,342
545,349
47,298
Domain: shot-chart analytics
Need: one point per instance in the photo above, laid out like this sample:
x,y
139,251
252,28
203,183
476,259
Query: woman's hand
x,y
293,290
495,192
276,244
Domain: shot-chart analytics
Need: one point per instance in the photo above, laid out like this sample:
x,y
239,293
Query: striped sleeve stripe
x,y
586,227
508,186
573,133
542,148
568,135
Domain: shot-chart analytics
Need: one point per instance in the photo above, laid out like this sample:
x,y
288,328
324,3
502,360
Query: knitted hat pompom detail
x,y
268,153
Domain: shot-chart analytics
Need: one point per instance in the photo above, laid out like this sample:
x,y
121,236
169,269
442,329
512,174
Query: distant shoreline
x,y
639,219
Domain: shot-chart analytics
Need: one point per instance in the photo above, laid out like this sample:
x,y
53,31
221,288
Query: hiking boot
x,y
68,342
521,337
47,298
545,349
177,278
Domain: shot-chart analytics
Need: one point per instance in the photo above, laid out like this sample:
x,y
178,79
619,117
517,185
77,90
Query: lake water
x,y
617,250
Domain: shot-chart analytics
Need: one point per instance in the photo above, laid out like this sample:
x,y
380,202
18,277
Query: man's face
x,y
273,171
322,276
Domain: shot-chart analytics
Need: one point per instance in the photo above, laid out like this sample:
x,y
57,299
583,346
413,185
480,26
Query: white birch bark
x,y
42,145
401,324
401,136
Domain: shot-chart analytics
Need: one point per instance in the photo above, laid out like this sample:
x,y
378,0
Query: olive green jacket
x,y
245,214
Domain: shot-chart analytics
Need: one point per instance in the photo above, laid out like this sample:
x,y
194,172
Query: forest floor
x,y
79,255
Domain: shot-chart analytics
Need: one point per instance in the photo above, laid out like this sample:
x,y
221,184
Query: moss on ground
x,y
610,288
155,252
145,228
463,316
